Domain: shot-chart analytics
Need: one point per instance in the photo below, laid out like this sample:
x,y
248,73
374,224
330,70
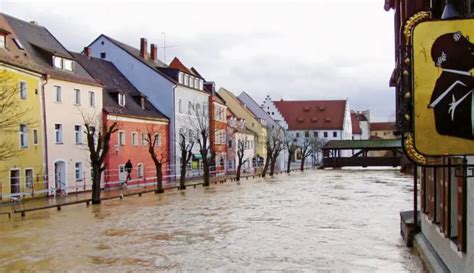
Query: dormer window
x,y
121,99
62,63
186,80
181,76
191,82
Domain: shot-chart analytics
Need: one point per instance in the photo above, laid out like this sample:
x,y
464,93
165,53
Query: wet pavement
x,y
344,220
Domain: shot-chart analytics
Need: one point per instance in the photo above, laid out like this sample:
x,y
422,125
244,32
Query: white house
x,y
320,119
237,132
174,90
68,88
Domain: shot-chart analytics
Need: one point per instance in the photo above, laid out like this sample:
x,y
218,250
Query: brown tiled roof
x,y
178,65
382,126
355,124
312,114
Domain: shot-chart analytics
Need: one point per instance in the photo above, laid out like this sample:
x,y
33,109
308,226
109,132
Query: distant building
x,y
323,120
135,117
237,132
385,130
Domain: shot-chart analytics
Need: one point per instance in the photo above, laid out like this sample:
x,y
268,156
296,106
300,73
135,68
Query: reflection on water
x,y
327,220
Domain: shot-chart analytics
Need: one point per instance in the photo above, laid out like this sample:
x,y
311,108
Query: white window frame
x,y
23,90
3,41
157,139
58,94
180,106
121,99
58,134
78,170
121,133
59,63
78,134
92,99
25,180
134,139
144,137
23,134
68,65
181,78
77,97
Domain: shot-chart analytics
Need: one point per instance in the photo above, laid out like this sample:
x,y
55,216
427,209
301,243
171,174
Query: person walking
x,y
128,169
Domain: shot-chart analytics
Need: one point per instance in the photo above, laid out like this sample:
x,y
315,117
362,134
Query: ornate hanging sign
x,y
443,87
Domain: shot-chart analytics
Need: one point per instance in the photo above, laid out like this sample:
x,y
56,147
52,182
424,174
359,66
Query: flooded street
x,y
326,220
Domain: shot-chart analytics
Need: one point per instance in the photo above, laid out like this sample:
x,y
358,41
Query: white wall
x,y
249,153
69,152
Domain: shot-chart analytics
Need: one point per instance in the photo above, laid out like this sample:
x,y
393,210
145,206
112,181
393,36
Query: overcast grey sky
x,y
320,49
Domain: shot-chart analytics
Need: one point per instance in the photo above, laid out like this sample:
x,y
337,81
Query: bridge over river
x,y
304,221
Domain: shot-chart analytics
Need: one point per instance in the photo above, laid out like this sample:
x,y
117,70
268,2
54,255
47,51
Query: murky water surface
x,y
328,220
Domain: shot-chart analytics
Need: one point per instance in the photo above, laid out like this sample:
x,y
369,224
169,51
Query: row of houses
x,y
52,93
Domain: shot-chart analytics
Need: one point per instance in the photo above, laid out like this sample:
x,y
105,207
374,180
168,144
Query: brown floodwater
x,y
344,220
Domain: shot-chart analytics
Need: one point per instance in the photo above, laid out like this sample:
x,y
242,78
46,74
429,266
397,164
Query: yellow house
x,y
254,124
21,128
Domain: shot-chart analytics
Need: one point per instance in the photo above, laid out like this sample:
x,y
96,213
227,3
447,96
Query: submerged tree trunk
x,y
289,162
96,185
206,170
159,178
265,167
182,178
302,163
237,175
272,166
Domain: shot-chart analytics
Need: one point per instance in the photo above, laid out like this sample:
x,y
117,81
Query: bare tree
x,y
316,146
98,144
278,146
186,146
201,124
274,147
12,113
269,148
241,144
291,146
306,151
153,140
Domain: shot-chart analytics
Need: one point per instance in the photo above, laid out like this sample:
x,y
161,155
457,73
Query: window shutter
x,y
461,214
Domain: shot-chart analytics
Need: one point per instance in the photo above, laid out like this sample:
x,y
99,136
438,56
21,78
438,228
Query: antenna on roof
x,y
165,46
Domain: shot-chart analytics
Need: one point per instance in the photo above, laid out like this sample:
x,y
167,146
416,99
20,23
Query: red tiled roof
x,y
382,126
355,124
312,114
178,65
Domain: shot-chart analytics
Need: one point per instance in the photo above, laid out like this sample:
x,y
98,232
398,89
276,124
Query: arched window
x,y
140,170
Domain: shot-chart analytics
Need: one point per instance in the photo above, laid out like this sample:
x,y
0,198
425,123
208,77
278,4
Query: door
x,y
14,183
122,173
60,175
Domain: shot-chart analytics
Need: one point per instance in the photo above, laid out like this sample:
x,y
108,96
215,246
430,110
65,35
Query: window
x,y
325,134
230,144
121,99
196,83
29,178
315,134
157,140
58,62
190,108
186,79
306,134
140,170
191,81
334,134
23,136
78,171
102,55
77,97
23,90
67,64
77,134
121,138
180,108
181,81
94,136
2,41
91,99
144,137
58,133
134,139
297,134
58,97
198,109
35,136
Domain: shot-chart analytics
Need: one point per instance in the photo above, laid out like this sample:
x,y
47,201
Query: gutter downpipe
x,y
45,129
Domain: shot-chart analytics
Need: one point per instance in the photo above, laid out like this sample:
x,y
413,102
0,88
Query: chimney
x,y
153,52
87,52
143,48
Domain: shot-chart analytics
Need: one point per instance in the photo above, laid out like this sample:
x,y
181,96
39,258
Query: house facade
x,y
253,123
385,130
22,166
237,132
67,88
173,90
273,127
320,120
135,117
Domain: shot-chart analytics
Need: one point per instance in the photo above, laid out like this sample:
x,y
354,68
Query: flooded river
x,y
342,220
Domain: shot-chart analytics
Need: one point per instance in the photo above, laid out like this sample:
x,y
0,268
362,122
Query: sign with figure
x,y
443,58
